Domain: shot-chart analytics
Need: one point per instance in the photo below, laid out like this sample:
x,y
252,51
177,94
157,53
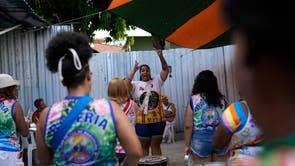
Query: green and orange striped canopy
x,y
186,23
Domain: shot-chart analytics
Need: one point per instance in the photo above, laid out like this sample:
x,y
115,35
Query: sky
x,y
137,32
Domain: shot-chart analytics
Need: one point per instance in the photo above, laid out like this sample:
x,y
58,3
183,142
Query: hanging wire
x,y
64,22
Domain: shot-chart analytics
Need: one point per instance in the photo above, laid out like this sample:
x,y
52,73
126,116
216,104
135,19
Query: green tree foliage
x,y
58,11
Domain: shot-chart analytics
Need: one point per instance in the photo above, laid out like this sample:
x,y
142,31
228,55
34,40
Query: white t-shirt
x,y
139,87
148,94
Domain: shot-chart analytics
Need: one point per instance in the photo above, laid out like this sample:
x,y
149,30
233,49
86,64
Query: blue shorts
x,y
150,130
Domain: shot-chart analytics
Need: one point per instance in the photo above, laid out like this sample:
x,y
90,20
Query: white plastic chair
x,y
24,142
169,132
29,115
31,146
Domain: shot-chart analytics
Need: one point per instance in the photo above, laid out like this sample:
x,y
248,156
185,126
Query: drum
x,y
191,162
153,161
208,164
215,164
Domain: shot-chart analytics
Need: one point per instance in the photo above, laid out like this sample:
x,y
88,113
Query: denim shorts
x,y
201,143
150,130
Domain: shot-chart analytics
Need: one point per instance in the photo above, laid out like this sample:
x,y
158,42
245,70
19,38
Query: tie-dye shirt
x,y
91,140
205,116
205,119
8,137
246,133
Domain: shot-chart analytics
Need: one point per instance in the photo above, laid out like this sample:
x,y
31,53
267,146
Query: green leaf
x,y
58,11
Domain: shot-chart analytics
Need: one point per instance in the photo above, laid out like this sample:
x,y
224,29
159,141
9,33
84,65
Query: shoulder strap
x,y
191,102
69,120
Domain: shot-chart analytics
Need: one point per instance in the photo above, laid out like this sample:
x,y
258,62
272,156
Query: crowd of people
x,y
129,124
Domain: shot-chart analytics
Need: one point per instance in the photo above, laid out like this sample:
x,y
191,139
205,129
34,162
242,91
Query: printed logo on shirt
x,y
142,88
80,147
210,117
154,100
94,119
202,103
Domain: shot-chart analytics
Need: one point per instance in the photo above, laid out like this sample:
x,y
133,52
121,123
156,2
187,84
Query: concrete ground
x,y
174,152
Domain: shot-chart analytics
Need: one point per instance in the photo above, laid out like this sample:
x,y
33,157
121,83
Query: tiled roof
x,y
101,47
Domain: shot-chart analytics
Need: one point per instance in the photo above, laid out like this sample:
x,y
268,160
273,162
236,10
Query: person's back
x,y
91,138
12,122
118,91
205,119
8,137
80,130
202,116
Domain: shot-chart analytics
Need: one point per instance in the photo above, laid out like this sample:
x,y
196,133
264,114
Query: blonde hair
x,y
117,90
128,84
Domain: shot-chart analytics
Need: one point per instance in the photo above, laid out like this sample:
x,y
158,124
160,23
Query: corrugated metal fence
x,y
22,55
186,64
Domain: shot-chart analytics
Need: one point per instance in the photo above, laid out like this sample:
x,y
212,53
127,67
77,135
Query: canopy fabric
x,y
187,23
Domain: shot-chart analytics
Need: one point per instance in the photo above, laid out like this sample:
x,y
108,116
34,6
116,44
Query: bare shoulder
x,y
42,119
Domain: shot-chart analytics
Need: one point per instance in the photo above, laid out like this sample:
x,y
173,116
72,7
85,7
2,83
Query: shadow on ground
x,y
174,152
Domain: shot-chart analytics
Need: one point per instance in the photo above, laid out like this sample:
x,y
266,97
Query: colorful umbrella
x,y
187,23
